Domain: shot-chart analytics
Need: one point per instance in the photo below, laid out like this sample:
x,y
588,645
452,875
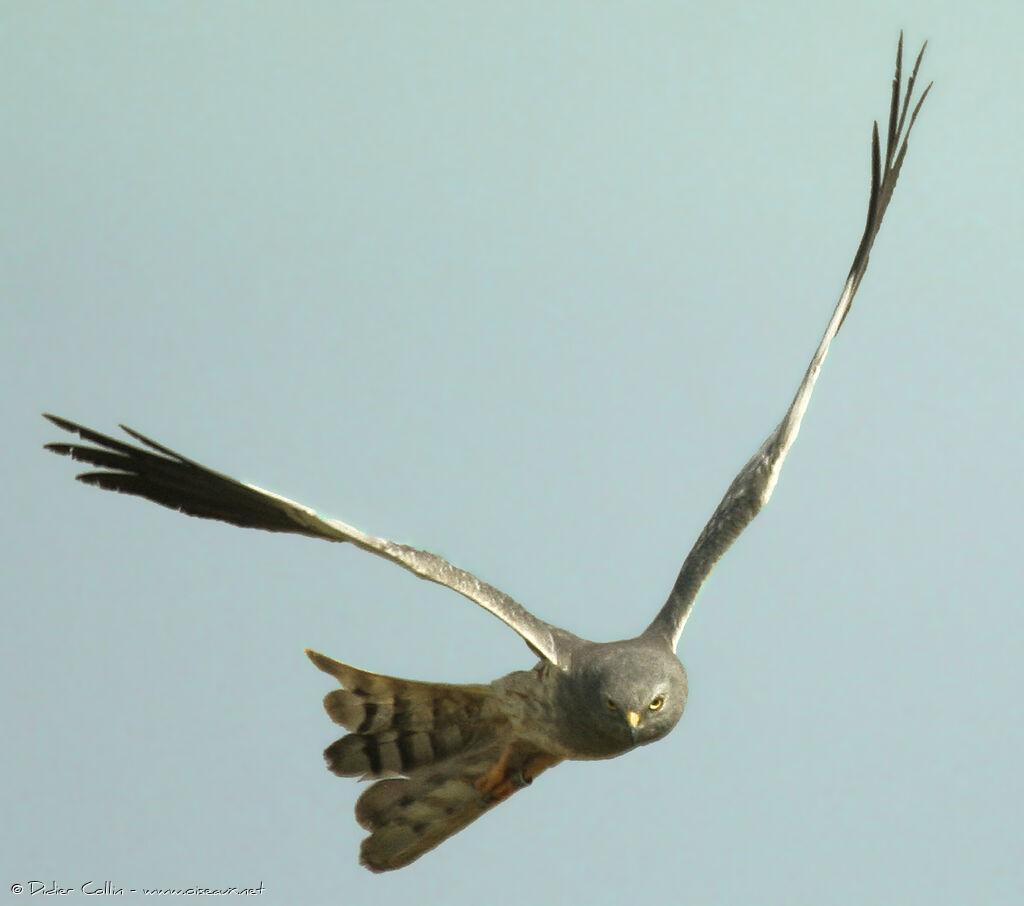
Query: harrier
x,y
442,755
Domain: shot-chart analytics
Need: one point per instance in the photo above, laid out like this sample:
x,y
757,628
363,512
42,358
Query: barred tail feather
x,y
409,817
447,752
399,725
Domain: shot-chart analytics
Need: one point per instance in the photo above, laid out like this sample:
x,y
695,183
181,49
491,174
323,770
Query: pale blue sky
x,y
524,284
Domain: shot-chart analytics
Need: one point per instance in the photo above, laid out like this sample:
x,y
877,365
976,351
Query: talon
x,y
536,766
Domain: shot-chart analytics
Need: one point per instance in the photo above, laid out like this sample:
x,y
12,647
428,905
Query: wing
x,y
753,486
168,478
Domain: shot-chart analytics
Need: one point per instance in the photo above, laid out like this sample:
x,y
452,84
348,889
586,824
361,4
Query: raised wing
x,y
752,488
168,478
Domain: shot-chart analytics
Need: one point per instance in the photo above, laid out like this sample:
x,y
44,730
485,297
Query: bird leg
x,y
513,771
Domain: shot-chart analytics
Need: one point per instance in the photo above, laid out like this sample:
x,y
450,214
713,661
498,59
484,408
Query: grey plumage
x,y
441,755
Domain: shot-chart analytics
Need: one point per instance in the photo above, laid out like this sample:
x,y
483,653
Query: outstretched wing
x,y
168,478
753,486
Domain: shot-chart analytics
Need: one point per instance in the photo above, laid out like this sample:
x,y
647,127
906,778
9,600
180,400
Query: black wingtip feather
x,y
885,174
171,480
61,422
894,106
160,448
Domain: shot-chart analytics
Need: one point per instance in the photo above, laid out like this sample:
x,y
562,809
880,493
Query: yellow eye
x,y
657,702
610,705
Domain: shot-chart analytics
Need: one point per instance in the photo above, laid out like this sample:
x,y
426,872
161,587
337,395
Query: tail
x,y
449,753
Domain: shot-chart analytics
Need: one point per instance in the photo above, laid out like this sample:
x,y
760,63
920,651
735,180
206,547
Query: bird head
x,y
625,694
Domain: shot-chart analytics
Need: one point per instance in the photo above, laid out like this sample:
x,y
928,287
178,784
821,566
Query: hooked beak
x,y
633,719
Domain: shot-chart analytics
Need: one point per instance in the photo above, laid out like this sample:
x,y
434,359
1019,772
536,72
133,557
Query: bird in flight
x,y
440,754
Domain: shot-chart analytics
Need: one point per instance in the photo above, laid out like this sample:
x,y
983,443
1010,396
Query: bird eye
x,y
610,705
657,702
